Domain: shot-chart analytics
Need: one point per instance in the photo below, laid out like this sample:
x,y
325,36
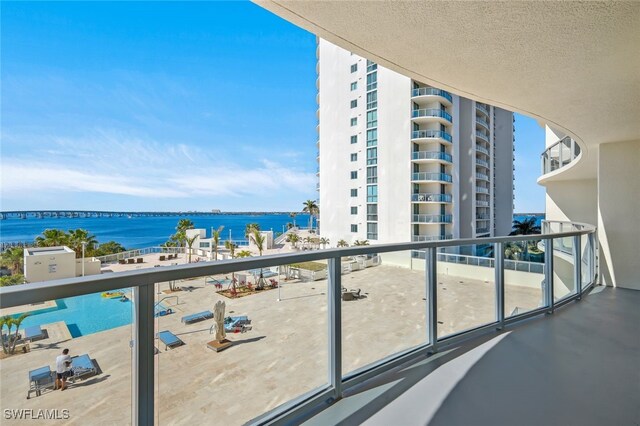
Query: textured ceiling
x,y
574,65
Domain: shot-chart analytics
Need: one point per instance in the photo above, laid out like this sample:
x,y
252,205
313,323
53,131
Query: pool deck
x,y
281,357
25,309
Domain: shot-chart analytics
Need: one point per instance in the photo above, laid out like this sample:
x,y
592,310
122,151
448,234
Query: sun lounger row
x,y
169,339
43,378
131,261
168,257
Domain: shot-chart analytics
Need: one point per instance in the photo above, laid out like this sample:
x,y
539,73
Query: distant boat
x,y
129,217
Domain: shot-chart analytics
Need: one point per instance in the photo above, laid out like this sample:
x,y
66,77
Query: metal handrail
x,y
425,91
143,283
431,112
551,163
425,134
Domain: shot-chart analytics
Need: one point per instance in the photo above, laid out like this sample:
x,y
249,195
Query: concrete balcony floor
x,y
579,366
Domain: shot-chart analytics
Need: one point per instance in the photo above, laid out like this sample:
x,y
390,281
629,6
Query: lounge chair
x,y
122,261
162,258
235,324
200,316
169,339
33,333
351,295
139,260
39,379
131,260
82,366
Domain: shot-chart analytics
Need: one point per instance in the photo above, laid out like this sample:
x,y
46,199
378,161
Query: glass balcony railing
x,y
482,190
440,177
560,154
159,342
431,237
483,217
482,149
482,108
482,122
482,176
482,163
431,91
480,203
431,134
431,155
482,231
431,112
432,218
482,136
431,198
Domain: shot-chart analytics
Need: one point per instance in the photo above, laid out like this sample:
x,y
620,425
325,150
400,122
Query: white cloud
x,y
112,163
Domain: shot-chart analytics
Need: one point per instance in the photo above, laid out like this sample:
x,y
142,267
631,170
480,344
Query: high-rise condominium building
x,y
400,160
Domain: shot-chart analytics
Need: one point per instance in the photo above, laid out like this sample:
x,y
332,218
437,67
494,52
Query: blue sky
x,y
168,106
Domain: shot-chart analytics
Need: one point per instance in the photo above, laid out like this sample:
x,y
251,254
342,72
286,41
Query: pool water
x,y
84,315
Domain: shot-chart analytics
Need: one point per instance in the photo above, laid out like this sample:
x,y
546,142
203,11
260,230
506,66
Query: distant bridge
x,y
70,214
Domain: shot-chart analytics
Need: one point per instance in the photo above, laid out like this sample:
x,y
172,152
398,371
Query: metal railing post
x,y
335,325
548,273
432,296
577,265
498,252
144,334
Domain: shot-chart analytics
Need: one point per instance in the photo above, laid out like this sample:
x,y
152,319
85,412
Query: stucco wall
x,y
618,207
50,267
91,267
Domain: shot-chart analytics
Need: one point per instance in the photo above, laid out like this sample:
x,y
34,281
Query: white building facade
x,y
400,160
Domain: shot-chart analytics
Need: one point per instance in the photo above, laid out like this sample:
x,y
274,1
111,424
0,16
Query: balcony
x,y
431,177
481,149
482,231
431,218
482,108
423,238
430,115
431,93
428,156
430,135
480,203
482,176
482,136
483,217
431,198
482,190
482,163
138,371
482,122
559,155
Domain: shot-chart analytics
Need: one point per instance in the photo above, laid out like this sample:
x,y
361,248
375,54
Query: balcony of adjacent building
x,y
429,95
431,198
431,115
482,163
482,190
431,157
481,123
484,136
427,136
483,108
431,218
482,176
559,155
423,238
419,177
481,149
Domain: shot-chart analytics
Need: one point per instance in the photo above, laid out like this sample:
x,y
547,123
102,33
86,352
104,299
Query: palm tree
x,y
51,238
293,238
258,239
250,228
324,242
110,247
13,259
361,243
312,208
216,240
293,215
308,241
190,242
9,346
184,224
75,238
342,243
243,253
512,251
525,227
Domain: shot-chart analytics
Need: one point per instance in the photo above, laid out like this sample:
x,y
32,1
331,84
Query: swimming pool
x,y
84,315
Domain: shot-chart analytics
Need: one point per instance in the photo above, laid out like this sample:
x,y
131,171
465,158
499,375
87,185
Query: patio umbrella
x,y
218,317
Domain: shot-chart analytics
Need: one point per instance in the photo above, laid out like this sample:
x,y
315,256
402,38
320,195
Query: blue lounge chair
x,y
33,333
200,316
169,339
233,324
82,366
39,379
